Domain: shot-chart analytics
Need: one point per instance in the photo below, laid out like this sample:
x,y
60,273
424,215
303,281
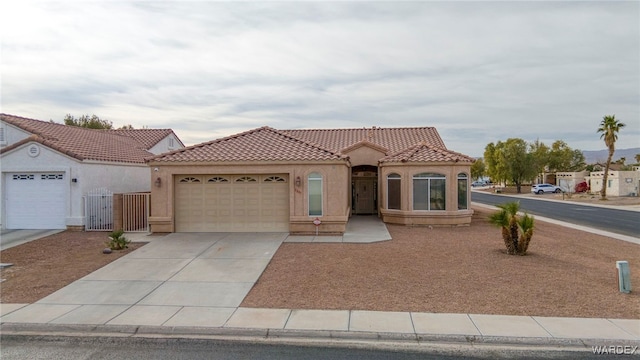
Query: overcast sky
x,y
478,71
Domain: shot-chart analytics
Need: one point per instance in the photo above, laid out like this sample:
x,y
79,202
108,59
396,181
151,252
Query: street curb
x,y
283,335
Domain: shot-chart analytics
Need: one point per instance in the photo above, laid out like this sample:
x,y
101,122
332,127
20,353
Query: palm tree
x,y
516,231
609,127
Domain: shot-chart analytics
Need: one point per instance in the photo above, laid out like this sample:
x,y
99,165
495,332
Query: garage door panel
x,y
36,200
232,203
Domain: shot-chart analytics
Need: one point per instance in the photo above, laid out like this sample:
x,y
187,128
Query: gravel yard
x,y
566,273
45,265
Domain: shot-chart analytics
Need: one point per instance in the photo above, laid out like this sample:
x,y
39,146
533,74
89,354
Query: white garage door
x,y
35,200
232,203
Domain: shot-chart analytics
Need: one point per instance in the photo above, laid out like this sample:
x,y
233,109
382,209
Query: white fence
x,y
99,210
135,212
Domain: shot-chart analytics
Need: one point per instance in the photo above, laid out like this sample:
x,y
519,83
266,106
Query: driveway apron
x,y
180,279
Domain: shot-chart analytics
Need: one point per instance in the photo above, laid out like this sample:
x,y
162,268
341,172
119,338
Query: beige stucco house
x,y
619,183
282,180
567,180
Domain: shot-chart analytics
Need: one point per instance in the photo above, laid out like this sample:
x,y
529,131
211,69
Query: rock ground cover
x,y
567,273
42,266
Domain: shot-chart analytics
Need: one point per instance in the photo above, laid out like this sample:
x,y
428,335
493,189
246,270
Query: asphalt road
x,y
85,348
623,222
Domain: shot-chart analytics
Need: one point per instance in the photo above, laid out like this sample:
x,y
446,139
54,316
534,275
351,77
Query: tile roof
x,y
79,143
147,137
393,139
261,144
424,152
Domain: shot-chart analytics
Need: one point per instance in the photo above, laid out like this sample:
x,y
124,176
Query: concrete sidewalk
x,y
354,325
193,285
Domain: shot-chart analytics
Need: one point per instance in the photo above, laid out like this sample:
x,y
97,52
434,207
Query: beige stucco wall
x,y
364,155
568,180
621,183
335,182
450,216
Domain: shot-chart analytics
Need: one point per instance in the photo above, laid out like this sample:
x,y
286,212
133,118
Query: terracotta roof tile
x,y
424,152
147,137
394,139
80,143
261,144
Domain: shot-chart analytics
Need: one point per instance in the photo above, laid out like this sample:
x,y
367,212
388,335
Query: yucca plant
x,y
117,241
516,231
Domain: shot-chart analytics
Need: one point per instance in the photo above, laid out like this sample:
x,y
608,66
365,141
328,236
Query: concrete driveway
x,y
187,279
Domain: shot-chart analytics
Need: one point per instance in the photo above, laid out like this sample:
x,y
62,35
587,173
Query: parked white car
x,y
545,188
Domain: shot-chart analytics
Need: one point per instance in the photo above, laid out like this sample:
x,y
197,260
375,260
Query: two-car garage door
x,y
232,203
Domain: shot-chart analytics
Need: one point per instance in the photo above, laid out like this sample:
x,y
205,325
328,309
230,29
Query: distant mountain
x,y
600,156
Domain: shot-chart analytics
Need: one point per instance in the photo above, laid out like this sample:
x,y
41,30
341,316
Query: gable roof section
x,y
365,143
426,153
79,143
261,144
393,139
147,137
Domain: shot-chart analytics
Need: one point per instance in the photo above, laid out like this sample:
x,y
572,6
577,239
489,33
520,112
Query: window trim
x,y
315,176
463,176
396,177
428,176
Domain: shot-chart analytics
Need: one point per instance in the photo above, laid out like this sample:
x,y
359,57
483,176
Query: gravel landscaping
x,y
566,273
42,266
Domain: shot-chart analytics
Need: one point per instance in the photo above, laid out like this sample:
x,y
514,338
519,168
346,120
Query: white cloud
x,y
478,71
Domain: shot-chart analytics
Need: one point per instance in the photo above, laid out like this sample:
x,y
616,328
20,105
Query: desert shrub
x,y
516,230
117,241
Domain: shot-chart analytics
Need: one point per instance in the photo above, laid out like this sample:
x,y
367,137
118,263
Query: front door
x,y
365,196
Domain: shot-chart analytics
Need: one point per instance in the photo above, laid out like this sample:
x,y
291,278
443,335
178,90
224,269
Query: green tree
x,y
86,121
510,161
609,129
126,127
564,158
478,169
517,231
637,156
540,153
494,168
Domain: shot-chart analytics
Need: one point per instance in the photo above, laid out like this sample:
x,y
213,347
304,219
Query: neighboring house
x,y
619,183
568,180
47,168
282,180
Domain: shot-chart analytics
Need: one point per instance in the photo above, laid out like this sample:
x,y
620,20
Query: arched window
x,y
394,191
429,191
315,194
463,186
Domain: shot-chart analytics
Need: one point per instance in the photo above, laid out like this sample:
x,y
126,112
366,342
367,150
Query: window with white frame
x,y
315,194
463,186
429,191
394,191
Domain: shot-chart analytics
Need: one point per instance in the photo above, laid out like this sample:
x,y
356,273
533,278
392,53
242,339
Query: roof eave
x,y
341,161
